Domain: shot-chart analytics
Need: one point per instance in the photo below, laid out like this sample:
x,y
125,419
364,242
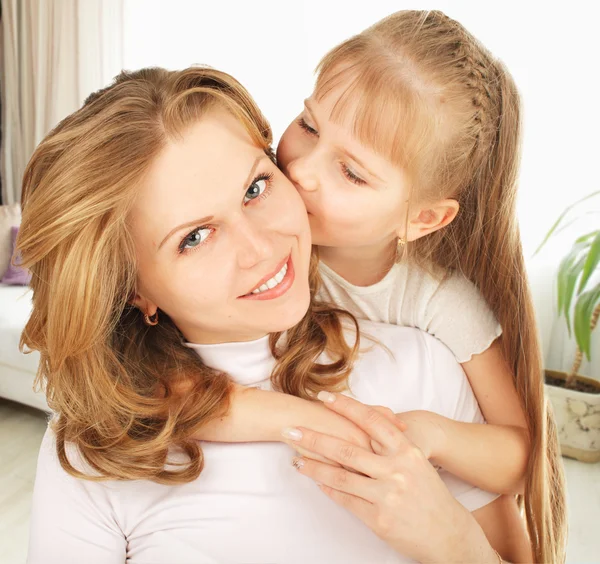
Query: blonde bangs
x,y
369,106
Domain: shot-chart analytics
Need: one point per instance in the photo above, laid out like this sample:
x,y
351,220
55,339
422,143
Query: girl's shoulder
x,y
450,307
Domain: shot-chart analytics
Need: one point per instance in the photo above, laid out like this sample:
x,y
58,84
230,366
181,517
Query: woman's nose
x,y
255,245
302,172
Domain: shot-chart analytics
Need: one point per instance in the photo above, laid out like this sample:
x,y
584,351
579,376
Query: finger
x,y
391,416
370,420
364,510
377,448
337,478
342,452
314,456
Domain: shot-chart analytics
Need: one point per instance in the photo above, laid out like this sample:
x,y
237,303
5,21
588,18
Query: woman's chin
x,y
289,315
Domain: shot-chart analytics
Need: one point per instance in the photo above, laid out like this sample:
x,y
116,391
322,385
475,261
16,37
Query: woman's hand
x,y
395,491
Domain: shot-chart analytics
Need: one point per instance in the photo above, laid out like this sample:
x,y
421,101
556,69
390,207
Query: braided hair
x,y
431,99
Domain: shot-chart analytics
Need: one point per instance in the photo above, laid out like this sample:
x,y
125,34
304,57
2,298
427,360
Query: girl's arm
x,y
398,495
259,416
492,457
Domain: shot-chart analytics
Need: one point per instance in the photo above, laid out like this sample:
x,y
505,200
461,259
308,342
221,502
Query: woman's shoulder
x,y
48,458
416,369
393,347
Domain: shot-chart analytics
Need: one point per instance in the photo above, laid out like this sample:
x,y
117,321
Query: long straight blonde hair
x,y
429,97
125,394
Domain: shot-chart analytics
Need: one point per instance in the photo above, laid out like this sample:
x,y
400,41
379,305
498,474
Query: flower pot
x,y
577,418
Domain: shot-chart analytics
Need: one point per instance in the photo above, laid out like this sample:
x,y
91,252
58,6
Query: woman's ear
x,y
143,304
431,218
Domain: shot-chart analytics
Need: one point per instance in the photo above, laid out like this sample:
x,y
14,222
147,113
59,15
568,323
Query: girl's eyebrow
x,y
359,162
308,106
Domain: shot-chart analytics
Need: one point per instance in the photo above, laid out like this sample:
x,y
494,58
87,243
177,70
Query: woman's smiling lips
x,y
284,273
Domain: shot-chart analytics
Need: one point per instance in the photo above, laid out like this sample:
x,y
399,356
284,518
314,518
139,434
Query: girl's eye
x,y
259,186
351,176
195,238
307,127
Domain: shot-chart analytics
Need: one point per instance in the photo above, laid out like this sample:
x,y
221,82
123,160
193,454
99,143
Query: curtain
x,y
55,53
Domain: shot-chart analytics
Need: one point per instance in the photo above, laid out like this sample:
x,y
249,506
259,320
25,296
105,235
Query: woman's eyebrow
x,y
192,223
253,169
209,218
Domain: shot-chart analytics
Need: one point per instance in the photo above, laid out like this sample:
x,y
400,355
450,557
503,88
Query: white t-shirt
x,y
249,505
449,308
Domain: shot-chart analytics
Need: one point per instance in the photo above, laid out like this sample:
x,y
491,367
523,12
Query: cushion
x,y
15,274
15,309
10,216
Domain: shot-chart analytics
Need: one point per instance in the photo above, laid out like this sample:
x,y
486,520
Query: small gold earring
x,y
401,242
151,319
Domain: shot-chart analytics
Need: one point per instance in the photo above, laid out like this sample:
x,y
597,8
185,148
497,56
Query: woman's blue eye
x,y
258,187
195,238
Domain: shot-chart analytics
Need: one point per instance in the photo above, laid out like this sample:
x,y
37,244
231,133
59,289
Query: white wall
x,y
272,47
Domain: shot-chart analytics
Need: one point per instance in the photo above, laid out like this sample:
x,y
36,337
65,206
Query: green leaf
x,y
558,222
593,258
584,309
575,219
568,272
587,236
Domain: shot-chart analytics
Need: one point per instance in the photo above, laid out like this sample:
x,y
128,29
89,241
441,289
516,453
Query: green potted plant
x,y
576,398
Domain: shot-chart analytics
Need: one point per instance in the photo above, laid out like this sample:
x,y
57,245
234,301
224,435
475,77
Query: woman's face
x,y
222,237
354,197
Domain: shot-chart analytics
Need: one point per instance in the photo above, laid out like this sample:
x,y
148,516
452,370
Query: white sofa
x,y
17,370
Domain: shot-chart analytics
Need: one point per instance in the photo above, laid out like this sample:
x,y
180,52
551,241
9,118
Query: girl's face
x,y
354,197
222,237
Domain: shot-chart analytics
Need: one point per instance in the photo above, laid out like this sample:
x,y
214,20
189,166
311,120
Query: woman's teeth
x,y
272,282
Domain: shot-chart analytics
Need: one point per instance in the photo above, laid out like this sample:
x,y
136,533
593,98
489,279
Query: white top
x,y
449,308
249,505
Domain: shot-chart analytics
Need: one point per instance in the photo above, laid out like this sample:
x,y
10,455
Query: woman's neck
x,y
200,337
361,266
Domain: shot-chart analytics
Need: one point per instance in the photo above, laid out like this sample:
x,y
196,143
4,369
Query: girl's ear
x,y
431,218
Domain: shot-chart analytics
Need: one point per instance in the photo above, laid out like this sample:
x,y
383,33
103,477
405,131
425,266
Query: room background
x,y
54,53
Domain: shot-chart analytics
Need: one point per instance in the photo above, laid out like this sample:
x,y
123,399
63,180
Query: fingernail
x,y
291,433
298,463
326,397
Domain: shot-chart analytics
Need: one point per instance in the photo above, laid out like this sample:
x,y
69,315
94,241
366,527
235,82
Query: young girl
x,y
406,156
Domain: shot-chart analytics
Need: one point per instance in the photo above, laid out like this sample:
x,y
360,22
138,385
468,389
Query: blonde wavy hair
x,y
124,393
425,94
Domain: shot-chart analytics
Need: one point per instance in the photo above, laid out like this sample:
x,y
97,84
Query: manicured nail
x,y
291,433
326,397
298,463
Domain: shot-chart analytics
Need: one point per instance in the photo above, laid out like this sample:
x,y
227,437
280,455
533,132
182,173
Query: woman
x,y
155,217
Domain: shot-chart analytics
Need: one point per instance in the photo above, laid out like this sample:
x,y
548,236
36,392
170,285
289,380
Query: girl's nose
x,y
302,174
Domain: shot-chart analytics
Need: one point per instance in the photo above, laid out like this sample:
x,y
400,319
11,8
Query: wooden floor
x,y
21,431
22,428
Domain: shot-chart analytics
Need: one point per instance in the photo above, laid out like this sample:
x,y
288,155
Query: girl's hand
x,y
425,430
396,492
